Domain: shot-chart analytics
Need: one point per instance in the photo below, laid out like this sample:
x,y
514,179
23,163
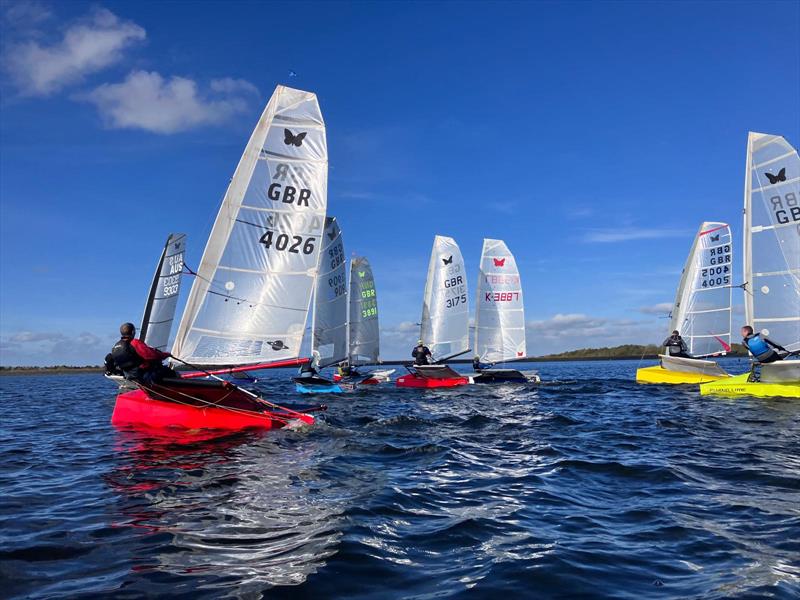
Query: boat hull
x,y
659,374
497,376
138,408
740,386
412,380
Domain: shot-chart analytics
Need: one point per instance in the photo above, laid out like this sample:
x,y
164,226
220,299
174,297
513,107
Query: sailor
x,y
345,370
311,369
761,347
137,360
676,346
422,354
477,365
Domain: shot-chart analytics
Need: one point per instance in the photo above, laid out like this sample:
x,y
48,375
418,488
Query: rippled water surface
x,y
589,486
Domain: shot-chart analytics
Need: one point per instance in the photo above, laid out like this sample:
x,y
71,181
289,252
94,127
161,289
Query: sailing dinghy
x,y
701,312
363,327
249,302
771,265
499,317
445,318
329,328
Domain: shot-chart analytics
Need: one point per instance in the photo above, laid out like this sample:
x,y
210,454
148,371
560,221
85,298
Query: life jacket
x,y
126,358
757,346
674,345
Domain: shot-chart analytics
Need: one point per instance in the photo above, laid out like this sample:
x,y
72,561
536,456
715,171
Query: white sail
x,y
250,299
499,308
159,310
364,329
330,299
445,314
702,309
772,239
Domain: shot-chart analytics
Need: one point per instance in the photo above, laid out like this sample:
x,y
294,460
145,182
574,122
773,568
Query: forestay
x,y
702,309
159,310
364,329
445,314
330,299
499,308
251,296
772,239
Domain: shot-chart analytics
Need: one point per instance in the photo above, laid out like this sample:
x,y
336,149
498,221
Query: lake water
x,y
589,486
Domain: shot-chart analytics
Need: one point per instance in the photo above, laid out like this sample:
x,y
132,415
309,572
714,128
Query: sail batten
x,y
499,306
445,313
250,299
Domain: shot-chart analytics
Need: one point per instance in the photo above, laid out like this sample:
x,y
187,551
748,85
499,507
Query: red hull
x,y
138,408
413,380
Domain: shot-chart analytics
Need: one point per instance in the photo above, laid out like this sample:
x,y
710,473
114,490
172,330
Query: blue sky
x,y
594,138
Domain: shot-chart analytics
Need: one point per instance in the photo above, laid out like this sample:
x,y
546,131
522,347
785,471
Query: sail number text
x,y
786,209
715,276
720,255
285,242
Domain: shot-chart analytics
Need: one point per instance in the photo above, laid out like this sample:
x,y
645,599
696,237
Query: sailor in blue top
x,y
761,347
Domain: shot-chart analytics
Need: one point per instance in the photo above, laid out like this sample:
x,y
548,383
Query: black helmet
x,y
127,329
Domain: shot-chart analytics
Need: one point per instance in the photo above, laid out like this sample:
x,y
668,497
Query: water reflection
x,y
244,505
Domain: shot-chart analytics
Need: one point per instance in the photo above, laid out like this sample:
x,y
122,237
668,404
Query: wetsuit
x,y
422,355
140,362
676,347
762,348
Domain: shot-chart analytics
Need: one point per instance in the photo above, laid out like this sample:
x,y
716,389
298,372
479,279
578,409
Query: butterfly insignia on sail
x,y
499,262
519,353
362,273
715,238
278,345
781,176
332,234
448,261
290,138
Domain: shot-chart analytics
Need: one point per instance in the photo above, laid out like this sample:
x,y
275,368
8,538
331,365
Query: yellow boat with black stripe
x,y
675,370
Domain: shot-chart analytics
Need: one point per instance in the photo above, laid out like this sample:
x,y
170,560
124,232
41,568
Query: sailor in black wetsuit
x,y
422,354
676,346
477,365
763,349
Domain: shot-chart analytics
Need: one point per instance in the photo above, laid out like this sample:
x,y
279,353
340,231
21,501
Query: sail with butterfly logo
x,y
251,295
364,328
159,310
499,307
329,331
772,239
445,314
702,308
771,266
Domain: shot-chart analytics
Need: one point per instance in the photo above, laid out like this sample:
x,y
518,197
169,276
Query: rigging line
x,y
266,414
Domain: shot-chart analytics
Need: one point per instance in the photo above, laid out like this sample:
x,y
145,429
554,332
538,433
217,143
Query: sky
x,y
594,138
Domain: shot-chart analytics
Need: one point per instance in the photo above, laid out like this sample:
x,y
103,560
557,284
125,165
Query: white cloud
x,y
576,330
53,348
662,308
625,234
86,47
146,100
25,15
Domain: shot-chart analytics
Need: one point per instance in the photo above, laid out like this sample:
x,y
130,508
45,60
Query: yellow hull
x,y
739,386
659,374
